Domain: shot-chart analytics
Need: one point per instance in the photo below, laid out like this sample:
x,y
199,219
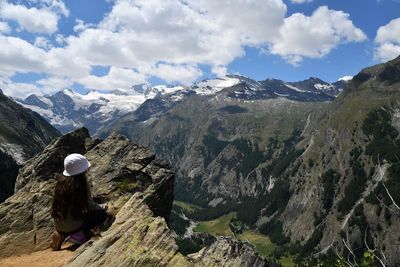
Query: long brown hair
x,y
70,195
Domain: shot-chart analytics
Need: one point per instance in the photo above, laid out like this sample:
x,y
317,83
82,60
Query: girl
x,y
74,211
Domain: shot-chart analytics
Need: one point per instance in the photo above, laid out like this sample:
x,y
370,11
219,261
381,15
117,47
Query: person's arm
x,y
92,205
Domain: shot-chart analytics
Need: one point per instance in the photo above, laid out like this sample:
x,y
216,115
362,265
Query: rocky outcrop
x,y
119,169
136,238
138,190
228,252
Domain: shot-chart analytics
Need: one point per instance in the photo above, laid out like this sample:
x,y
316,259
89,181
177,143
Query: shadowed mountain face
x,y
23,134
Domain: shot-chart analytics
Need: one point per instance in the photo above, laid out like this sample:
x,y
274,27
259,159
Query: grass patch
x,y
127,185
190,208
286,261
219,226
262,243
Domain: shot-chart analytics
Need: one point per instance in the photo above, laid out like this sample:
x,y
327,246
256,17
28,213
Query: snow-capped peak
x,y
212,86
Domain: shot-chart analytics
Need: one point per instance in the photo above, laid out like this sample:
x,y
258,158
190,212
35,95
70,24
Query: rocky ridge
x,y
23,134
137,188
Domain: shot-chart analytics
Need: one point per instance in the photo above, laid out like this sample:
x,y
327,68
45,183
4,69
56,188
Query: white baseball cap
x,y
75,164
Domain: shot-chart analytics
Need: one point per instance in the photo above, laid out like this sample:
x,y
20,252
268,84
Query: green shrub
x,y
274,230
383,144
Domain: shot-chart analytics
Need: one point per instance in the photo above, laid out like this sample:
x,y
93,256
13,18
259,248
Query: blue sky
x,y
50,45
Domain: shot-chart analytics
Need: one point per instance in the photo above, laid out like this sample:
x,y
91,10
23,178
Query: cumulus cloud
x,y
314,36
4,28
116,78
220,71
388,41
43,86
184,74
49,84
80,25
19,90
32,19
346,78
17,55
196,32
42,42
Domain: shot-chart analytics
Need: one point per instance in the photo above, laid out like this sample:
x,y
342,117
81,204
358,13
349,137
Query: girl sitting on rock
x,y
74,211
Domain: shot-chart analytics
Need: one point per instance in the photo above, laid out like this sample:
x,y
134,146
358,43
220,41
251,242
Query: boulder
x,y
227,251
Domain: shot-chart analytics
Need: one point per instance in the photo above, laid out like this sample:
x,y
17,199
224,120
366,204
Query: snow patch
x,y
210,87
283,95
294,88
319,86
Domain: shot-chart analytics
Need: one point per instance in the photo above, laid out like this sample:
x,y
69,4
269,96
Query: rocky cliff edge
x,y
138,190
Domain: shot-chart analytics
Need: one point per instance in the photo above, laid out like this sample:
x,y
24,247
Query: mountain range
x,y
67,110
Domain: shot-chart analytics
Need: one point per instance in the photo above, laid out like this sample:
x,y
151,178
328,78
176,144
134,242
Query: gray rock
x,y
227,252
136,238
25,221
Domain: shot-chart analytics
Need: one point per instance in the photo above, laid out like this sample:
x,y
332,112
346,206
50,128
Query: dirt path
x,y
44,258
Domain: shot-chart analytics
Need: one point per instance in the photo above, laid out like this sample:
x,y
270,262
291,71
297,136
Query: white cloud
x,y
198,32
388,41
42,42
184,74
81,25
19,90
60,39
54,83
4,28
30,19
116,78
220,71
44,86
19,55
56,6
43,19
346,78
314,36
143,34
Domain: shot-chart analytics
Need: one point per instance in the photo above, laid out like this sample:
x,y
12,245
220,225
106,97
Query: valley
x,y
305,176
